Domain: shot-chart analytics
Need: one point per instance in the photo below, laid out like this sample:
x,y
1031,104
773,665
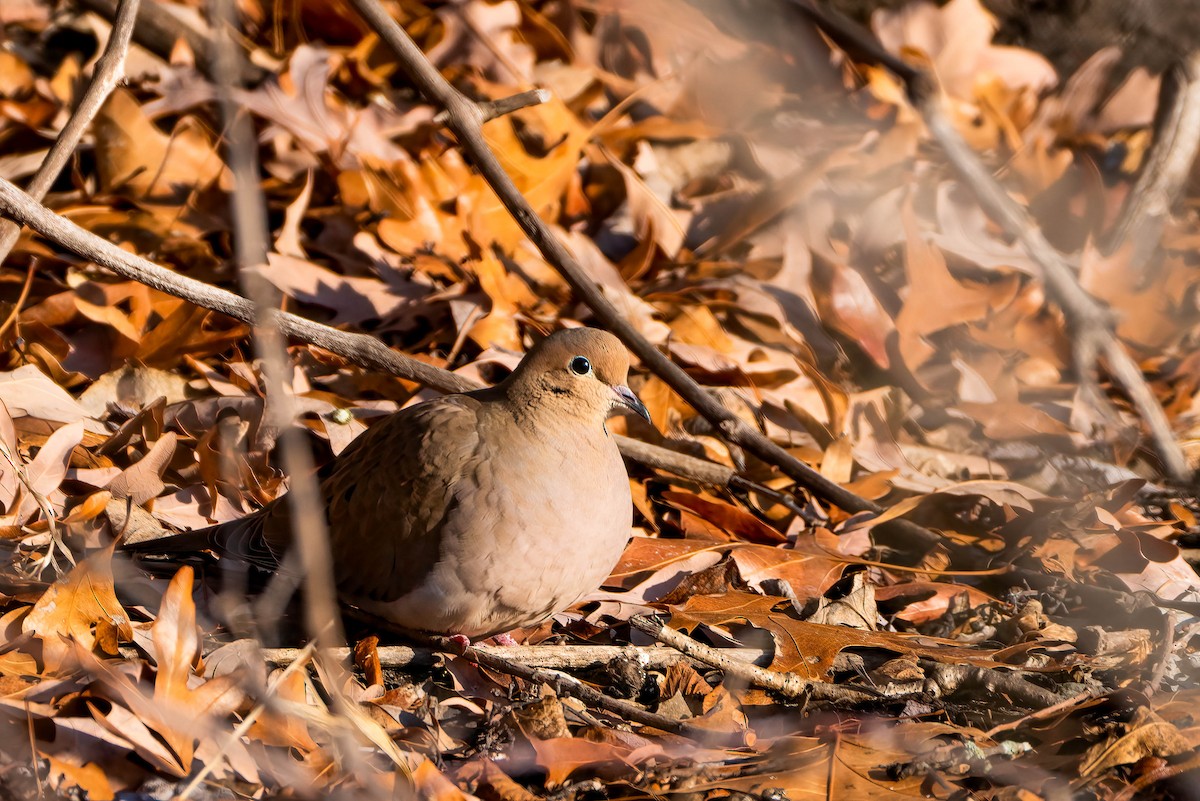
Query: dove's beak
x,y
625,397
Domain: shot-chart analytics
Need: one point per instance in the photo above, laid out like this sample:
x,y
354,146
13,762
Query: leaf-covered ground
x,y
770,213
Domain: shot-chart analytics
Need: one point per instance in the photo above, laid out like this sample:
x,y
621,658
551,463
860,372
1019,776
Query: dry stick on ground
x,y
943,679
1168,165
563,684
465,120
789,685
950,679
566,685
159,30
360,349
554,657
1090,324
108,72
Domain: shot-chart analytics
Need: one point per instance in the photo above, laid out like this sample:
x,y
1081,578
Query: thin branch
x,y
566,685
491,109
1168,165
109,71
1089,322
563,684
465,120
551,657
789,685
951,679
25,287
943,679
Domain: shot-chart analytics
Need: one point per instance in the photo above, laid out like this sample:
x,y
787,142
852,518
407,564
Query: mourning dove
x,y
471,514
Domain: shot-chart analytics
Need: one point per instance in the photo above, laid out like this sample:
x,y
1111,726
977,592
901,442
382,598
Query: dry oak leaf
x,y
178,707
28,392
81,606
48,469
132,153
142,481
169,727
564,757
809,649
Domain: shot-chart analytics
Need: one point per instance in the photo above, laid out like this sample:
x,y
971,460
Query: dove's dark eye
x,y
580,365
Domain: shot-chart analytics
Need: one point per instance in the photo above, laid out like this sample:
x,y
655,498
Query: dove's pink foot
x,y
461,640
504,639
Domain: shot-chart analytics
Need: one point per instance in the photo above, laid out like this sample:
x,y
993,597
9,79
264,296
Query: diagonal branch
x,y
465,120
1089,322
109,71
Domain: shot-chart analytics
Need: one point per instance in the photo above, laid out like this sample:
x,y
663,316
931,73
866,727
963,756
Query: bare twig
x,y
1090,323
552,657
465,120
566,685
1176,141
491,109
158,30
1041,714
951,679
25,287
563,684
109,71
943,679
789,685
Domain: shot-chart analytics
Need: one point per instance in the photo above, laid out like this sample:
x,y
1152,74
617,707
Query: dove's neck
x,y
543,409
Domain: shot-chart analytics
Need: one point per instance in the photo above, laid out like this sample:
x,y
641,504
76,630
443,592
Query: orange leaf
x,y
75,607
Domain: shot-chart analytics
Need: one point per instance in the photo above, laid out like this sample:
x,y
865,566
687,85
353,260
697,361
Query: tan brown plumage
x,y
476,513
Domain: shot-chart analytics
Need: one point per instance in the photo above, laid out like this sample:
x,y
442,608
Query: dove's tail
x,y
238,540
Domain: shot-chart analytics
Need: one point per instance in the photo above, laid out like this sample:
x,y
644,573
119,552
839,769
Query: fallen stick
x,y
550,657
789,685
943,679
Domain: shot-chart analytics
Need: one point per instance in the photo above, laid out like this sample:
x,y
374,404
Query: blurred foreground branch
x,y
1090,323
248,210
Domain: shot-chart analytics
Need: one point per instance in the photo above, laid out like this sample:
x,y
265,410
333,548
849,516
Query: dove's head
x,y
579,372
